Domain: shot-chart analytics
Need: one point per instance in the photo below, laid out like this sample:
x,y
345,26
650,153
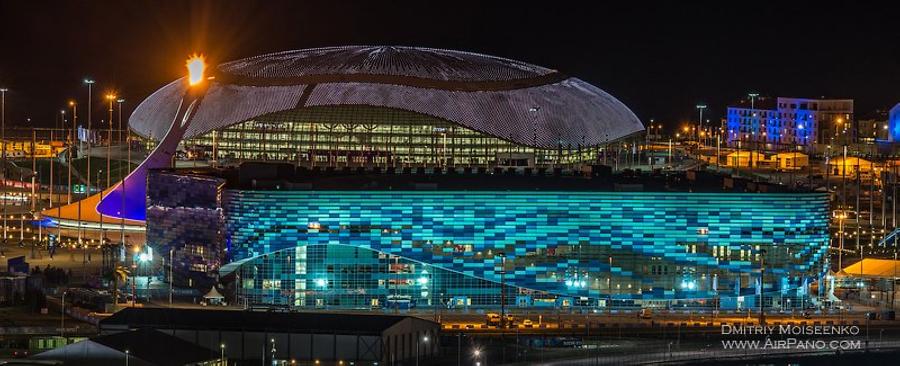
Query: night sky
x,y
660,59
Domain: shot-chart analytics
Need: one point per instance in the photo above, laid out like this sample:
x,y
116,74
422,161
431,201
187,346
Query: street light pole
x,y
109,139
753,121
424,340
171,279
73,138
3,154
127,171
841,217
502,292
62,315
700,107
762,285
90,84
120,101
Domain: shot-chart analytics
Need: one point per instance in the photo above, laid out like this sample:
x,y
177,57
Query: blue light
x,y
894,123
448,229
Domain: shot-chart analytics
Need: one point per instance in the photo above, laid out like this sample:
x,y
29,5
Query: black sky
x,y
659,58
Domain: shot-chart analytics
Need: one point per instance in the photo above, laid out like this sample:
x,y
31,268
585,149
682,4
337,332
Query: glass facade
x,y
345,276
349,135
370,249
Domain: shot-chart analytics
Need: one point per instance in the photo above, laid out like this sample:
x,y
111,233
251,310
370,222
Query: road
x,y
707,353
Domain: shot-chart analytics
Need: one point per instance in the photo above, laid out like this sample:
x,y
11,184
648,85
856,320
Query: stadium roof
x,y
527,104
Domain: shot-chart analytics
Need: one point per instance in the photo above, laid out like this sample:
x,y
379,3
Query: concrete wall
x,y
402,339
251,346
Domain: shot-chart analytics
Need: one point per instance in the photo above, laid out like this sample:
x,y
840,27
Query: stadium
x,y
369,177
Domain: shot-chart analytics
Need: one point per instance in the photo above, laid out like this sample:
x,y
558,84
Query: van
x,y
493,319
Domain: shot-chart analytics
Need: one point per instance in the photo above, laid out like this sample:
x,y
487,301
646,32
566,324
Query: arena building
x,y
287,236
398,177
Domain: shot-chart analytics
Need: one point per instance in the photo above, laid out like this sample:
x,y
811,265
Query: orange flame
x,y
195,65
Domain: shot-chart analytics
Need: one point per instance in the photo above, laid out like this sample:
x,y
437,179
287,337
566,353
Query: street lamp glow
x,y
196,64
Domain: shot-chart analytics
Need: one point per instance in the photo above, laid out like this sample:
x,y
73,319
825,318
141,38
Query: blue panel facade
x,y
578,245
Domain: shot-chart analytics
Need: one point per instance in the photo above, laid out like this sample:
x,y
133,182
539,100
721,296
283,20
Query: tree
x,y
120,273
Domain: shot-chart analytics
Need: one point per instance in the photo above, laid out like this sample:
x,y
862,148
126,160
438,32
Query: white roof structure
x,y
526,104
213,294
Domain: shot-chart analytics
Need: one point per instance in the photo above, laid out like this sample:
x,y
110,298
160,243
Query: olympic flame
x,y
196,64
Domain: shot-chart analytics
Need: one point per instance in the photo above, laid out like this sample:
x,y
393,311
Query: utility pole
x,y
3,154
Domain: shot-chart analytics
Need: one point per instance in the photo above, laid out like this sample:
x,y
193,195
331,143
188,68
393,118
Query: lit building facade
x,y
894,123
873,127
374,136
375,193
363,249
784,122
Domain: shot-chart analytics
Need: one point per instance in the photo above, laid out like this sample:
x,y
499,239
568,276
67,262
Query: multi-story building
x,y
779,123
872,127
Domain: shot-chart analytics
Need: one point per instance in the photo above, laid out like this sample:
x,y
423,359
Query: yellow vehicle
x,y
493,319
510,320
